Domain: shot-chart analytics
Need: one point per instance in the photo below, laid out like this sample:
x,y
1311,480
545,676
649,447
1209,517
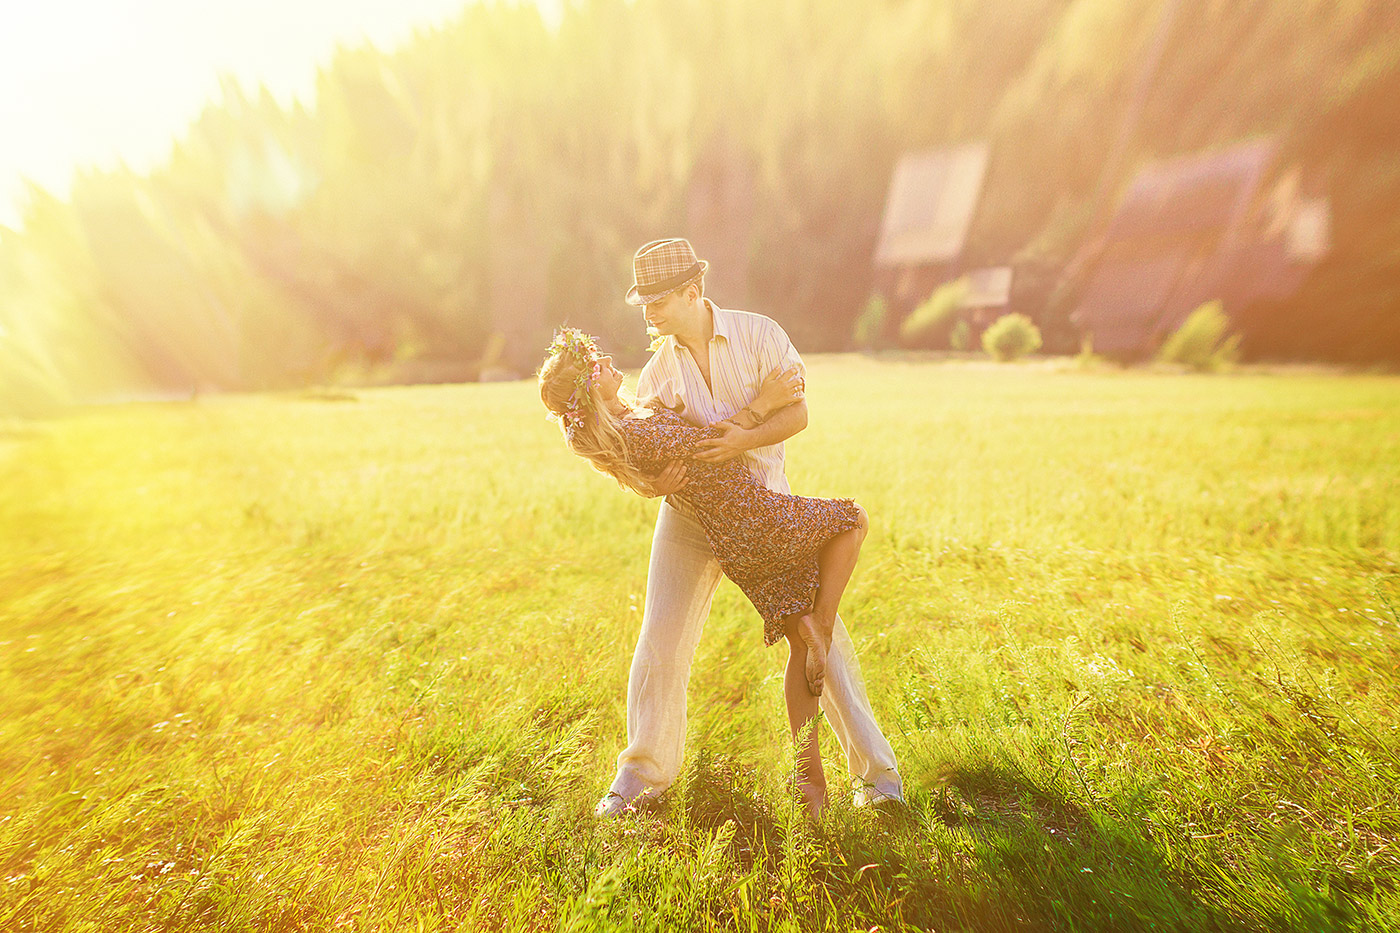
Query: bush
x,y
870,326
929,324
1011,337
1201,342
1086,358
960,337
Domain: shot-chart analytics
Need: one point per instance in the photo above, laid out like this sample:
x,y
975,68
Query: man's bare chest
x,y
703,367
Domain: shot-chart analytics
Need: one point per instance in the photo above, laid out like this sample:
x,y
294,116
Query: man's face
x,y
661,315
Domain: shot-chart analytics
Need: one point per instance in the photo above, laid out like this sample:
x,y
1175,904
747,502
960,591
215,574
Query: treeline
x,y
491,178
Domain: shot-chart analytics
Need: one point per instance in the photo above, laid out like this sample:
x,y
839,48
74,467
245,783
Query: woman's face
x,y
609,379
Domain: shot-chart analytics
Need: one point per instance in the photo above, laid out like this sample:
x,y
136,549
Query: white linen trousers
x,y
681,582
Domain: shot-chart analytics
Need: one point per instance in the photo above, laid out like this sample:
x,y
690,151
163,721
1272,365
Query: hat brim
x,y
638,298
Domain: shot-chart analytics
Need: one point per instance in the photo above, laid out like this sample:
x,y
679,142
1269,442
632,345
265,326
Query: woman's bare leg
x,y
836,561
802,706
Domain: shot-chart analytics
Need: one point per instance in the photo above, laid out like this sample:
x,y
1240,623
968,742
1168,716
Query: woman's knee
x,y
797,651
797,647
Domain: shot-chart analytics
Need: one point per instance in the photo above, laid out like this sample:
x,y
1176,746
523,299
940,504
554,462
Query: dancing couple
x,y
721,392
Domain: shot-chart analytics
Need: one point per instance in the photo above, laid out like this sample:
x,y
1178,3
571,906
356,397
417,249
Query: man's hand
x,y
731,444
672,479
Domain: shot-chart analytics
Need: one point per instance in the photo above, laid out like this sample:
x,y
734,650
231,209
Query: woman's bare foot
x,y
811,636
825,625
813,796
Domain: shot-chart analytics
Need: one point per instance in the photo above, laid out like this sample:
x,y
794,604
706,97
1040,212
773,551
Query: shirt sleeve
x,y
654,387
775,351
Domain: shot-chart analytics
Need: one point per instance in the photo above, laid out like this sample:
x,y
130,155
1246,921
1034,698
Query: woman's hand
x,y
780,388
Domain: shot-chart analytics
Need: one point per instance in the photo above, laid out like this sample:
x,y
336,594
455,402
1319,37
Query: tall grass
x,y
283,663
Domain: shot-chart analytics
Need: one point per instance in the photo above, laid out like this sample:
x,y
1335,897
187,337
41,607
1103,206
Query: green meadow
x,y
358,662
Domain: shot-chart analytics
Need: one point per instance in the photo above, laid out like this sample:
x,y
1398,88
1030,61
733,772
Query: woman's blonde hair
x,y
593,432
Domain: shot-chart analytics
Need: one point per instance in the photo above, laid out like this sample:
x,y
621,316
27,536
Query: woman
x,y
790,555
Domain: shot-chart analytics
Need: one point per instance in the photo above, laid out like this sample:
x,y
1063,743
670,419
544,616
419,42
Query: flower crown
x,y
573,342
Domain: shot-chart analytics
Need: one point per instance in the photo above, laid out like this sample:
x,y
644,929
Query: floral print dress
x,y
765,541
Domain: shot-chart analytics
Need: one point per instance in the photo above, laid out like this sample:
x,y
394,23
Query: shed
x,y
988,296
932,199
1226,224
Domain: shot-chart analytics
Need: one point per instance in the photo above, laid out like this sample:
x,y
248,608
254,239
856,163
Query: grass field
x,y
286,663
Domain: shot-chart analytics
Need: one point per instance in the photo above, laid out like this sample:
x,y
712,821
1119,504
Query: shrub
x,y
928,325
1201,342
870,326
1086,358
1011,337
960,337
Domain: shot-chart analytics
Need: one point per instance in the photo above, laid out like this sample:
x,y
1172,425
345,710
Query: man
x,y
708,364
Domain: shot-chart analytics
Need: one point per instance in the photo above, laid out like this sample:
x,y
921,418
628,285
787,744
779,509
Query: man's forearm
x,y
779,426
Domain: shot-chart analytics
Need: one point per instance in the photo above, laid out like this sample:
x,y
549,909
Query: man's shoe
x,y
892,809
613,804
869,796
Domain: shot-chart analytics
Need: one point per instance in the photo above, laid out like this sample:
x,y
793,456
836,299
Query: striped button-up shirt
x,y
745,348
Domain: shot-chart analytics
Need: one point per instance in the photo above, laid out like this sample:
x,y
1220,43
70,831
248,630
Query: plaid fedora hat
x,y
661,267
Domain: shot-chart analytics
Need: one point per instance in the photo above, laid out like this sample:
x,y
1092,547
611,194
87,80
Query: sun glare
x,y
91,83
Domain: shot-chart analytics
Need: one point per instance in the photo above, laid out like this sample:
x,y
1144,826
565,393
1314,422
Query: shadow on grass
x,y
1064,866
716,790
987,849
1043,860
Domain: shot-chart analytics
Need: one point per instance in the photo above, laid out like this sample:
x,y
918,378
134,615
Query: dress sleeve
x,y
661,439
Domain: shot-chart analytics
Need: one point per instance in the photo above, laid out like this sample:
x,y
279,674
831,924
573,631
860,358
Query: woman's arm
x,y
735,440
655,403
777,413
780,389
775,428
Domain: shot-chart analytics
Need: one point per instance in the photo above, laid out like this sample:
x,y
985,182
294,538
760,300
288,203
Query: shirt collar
x,y
723,322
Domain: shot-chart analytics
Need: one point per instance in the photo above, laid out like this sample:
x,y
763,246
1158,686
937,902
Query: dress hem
x,y
795,607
